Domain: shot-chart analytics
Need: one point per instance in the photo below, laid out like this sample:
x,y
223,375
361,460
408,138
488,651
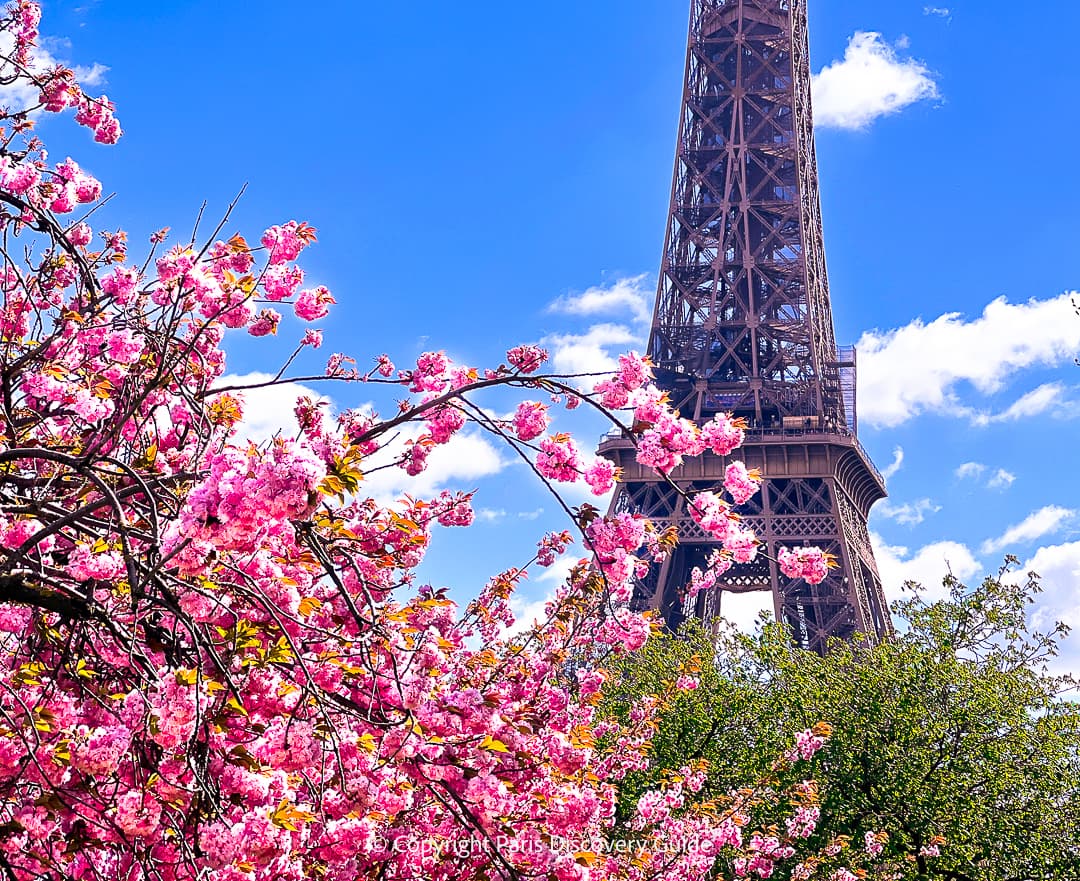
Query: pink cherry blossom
x,y
559,459
285,242
723,434
313,304
803,822
807,745
742,544
530,420
551,545
712,514
874,842
444,422
281,280
527,359
18,177
811,564
601,476
60,91
266,322
416,454
430,373
99,114
120,283
80,235
742,484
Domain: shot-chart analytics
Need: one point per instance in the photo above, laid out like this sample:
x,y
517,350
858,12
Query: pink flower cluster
x,y
712,514
246,492
530,420
766,851
444,422
874,842
601,476
633,373
663,446
430,373
59,90
810,564
281,280
527,359
723,434
807,744
285,242
616,542
99,115
551,546
803,822
742,484
559,459
313,304
720,561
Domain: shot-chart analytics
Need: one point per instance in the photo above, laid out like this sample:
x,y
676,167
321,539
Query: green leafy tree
x,y
953,737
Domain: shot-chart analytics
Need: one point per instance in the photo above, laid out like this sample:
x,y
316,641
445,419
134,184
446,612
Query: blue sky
x,y
484,173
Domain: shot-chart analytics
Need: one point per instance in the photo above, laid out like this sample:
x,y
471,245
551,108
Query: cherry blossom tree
x,y
215,659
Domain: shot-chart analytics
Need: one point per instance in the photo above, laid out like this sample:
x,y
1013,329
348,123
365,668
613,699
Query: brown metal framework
x,y
743,324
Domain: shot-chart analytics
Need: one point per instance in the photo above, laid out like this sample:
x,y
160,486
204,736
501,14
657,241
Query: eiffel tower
x,y
743,324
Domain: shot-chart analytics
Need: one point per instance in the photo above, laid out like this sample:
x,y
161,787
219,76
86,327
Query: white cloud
x,y
940,11
908,514
1040,523
591,352
917,368
1033,403
267,411
624,295
1059,569
744,609
970,469
457,465
21,95
926,567
872,81
889,472
494,515
526,614
92,76
560,570
999,479
1002,479
597,349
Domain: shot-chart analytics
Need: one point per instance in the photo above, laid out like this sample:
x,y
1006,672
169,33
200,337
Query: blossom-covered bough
x,y
214,661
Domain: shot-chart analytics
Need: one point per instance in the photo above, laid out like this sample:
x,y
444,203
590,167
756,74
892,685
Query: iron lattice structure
x,y
743,324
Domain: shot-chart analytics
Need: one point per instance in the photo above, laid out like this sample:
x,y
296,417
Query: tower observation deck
x,y
743,324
